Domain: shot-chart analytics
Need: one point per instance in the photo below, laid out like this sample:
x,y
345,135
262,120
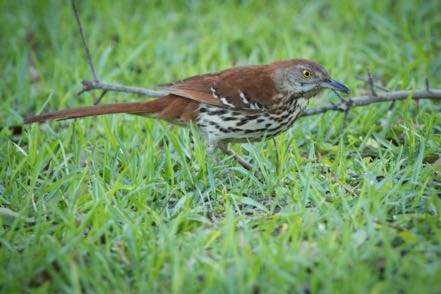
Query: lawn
x,y
126,204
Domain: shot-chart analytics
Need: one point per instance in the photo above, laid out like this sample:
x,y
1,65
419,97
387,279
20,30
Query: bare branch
x,y
88,86
83,38
345,105
434,94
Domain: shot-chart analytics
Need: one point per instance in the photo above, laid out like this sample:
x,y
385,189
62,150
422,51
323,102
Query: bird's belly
x,y
228,125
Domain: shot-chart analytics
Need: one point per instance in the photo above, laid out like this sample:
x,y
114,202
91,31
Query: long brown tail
x,y
144,107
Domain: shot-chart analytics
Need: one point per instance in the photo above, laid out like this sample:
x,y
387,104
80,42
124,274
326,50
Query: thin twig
x,y
98,100
83,38
345,123
392,105
339,96
427,85
346,112
89,85
371,84
379,87
434,94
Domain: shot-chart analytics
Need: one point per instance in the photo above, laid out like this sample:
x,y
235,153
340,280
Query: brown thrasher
x,y
239,104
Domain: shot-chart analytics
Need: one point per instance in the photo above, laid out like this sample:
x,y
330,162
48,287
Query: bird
x,y
236,105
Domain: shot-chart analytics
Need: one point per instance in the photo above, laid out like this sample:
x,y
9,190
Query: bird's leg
x,y
224,148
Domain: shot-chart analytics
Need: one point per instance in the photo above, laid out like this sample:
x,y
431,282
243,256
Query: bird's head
x,y
305,78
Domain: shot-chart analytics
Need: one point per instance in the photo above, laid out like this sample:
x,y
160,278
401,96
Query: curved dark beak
x,y
331,84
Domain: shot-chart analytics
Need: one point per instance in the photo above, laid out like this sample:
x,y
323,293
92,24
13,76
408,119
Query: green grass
x,y
122,203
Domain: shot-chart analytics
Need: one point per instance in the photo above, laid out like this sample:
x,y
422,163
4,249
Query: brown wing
x,y
243,88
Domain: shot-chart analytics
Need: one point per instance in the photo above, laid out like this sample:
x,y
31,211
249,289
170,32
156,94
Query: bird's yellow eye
x,y
307,73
